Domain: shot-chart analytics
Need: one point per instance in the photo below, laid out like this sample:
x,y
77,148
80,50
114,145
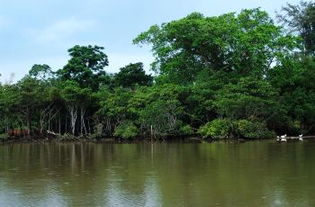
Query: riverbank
x,y
73,139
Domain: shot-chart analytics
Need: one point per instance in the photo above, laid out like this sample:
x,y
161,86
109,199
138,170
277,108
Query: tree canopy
x,y
247,43
132,75
236,75
86,66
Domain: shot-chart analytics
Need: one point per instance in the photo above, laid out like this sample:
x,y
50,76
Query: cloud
x,y
62,30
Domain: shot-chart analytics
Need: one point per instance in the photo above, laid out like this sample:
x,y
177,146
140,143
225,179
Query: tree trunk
x,y
89,126
28,119
83,127
73,109
66,125
59,124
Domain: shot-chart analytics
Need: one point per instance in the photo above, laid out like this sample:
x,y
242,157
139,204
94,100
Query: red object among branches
x,y
18,132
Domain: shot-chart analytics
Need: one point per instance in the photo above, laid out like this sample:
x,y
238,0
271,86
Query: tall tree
x,y
301,19
131,75
31,94
86,66
245,43
76,101
41,72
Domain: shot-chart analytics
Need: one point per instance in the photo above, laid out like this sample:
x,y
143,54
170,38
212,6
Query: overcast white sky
x,y
41,31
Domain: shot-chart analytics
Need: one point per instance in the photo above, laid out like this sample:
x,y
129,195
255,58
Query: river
x,y
260,173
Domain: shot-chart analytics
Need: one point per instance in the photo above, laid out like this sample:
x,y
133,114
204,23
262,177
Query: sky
x,y
41,31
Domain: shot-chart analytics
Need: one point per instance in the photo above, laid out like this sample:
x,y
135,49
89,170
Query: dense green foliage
x,y
218,128
126,130
228,76
132,75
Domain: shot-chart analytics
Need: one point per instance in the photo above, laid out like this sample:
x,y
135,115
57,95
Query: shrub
x,y
66,137
98,132
186,130
253,129
4,136
126,130
218,129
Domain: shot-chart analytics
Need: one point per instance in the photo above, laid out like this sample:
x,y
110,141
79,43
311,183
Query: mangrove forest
x,y
236,75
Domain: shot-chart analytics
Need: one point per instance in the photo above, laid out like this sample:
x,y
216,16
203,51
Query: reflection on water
x,y
173,174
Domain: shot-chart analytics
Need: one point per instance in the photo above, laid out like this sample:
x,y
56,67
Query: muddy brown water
x,y
262,173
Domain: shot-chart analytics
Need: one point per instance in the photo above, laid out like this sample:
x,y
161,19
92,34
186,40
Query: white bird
x,y
283,138
278,138
301,137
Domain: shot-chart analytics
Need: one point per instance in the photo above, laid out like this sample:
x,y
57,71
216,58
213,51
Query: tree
x,y
161,110
31,93
113,107
248,99
77,100
10,101
131,75
233,75
86,66
294,80
41,72
301,19
243,44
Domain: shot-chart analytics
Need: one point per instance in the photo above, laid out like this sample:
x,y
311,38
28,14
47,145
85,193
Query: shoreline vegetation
x,y
233,76
114,140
